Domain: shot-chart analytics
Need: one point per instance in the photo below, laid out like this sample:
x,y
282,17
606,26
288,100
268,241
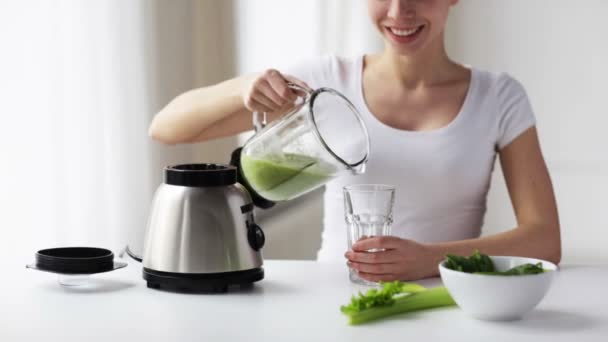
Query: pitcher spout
x,y
359,169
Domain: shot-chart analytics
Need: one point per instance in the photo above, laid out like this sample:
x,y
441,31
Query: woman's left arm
x,y
537,233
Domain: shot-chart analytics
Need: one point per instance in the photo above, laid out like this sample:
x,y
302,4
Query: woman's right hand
x,y
269,92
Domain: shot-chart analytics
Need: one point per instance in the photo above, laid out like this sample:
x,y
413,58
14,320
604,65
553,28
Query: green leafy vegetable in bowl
x,y
482,264
394,298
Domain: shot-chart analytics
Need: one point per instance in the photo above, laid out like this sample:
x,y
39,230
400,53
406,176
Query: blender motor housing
x,y
201,234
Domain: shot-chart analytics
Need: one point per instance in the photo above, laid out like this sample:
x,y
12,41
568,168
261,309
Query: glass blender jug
x,y
322,137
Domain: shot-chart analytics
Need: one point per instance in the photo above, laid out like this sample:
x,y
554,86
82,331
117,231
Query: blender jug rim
x,y
357,115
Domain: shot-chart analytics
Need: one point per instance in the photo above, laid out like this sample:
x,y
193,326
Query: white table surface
x,y
297,301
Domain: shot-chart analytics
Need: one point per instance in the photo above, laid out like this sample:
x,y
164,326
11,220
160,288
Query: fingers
x,y
270,92
372,268
257,106
380,257
280,90
378,242
373,262
261,97
296,81
266,92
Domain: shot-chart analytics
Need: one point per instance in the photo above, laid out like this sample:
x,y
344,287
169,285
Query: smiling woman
x,y
81,81
436,128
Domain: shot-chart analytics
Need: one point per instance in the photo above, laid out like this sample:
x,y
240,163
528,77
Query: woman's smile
x,y
404,35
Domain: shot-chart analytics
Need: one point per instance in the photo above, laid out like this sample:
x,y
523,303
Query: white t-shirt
x,y
442,176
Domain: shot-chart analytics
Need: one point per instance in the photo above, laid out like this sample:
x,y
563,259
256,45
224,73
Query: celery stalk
x,y
431,298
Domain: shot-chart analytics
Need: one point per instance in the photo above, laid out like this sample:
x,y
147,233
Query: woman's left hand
x,y
398,259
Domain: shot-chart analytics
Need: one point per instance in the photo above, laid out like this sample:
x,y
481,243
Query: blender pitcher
x,y
322,137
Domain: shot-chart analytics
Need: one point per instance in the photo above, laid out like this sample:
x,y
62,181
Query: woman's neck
x,y
427,67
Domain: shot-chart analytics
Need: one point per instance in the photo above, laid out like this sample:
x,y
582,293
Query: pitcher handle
x,y
258,124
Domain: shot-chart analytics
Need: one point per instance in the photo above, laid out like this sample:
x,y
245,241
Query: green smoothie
x,y
285,177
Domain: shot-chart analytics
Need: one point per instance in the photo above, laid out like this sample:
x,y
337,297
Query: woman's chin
x,y
408,51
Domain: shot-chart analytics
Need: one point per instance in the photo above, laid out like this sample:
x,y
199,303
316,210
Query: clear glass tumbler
x,y
368,211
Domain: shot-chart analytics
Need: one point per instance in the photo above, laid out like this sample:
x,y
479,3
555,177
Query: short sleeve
x,y
311,71
515,114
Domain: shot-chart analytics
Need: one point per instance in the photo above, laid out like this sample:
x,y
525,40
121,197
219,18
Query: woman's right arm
x,y
223,109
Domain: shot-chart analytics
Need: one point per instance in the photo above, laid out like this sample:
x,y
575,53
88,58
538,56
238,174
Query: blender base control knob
x,y
255,236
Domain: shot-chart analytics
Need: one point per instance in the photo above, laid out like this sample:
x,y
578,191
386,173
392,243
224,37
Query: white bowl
x,y
498,298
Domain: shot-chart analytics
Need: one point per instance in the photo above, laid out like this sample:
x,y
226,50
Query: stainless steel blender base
x,y
201,282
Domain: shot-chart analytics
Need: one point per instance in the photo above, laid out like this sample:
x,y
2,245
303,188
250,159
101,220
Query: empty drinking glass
x,y
368,210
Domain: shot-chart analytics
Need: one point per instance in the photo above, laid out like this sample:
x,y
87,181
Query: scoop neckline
x,y
435,131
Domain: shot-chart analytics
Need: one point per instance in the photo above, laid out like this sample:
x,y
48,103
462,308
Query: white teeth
x,y
404,33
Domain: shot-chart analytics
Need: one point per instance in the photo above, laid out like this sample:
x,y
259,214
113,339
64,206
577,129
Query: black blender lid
x,y
75,260
200,175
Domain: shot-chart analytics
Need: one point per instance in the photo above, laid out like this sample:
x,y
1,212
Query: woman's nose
x,y
402,9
